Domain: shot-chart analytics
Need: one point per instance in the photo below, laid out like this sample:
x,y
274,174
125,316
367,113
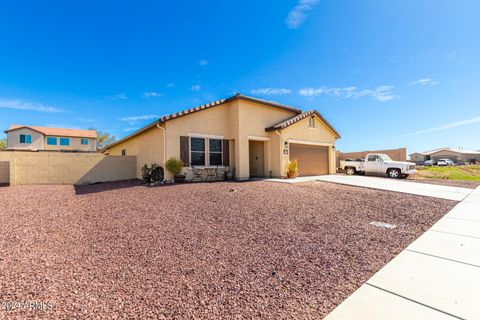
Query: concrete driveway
x,y
422,189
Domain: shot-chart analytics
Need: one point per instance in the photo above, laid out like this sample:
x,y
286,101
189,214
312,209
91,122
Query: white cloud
x,y
380,93
25,105
424,82
202,62
445,127
298,14
131,129
196,87
271,91
87,120
151,94
459,55
120,96
140,118
171,85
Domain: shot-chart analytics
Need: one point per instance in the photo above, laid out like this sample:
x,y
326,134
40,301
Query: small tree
x,y
104,138
3,144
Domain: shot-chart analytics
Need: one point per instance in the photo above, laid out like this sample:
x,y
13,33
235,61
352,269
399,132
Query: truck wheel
x,y
350,171
394,173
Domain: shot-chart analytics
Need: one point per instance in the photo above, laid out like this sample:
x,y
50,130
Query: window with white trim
x,y
215,152
197,151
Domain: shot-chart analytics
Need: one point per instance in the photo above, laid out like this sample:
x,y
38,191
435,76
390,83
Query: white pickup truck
x,y
378,163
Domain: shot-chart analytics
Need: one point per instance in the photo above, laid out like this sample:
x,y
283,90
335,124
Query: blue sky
x,y
384,73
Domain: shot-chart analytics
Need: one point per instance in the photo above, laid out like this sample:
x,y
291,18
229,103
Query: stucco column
x,y
242,160
332,168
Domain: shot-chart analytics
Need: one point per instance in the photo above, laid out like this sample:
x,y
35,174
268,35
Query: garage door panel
x,y
312,160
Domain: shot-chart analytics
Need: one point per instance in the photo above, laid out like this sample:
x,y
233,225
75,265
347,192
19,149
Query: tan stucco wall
x,y
39,142
75,144
13,140
252,121
4,172
301,132
67,168
147,147
417,157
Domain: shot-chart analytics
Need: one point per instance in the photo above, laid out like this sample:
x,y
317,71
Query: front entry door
x,y
257,158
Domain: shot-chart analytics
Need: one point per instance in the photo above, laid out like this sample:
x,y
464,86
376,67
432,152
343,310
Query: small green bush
x,y
174,165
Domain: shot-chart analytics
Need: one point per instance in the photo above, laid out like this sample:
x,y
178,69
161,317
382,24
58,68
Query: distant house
x,y
455,154
35,138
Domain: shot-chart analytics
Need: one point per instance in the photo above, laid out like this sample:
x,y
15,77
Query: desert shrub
x,y
174,165
152,174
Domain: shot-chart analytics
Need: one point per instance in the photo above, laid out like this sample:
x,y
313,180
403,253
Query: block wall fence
x,y
22,168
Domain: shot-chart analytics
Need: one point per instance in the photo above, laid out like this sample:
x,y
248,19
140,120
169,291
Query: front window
x,y
372,158
197,151
25,138
52,141
384,157
64,141
84,141
215,154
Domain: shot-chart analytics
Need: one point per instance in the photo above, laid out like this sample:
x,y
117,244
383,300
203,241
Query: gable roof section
x,y
59,132
457,150
209,105
286,123
222,101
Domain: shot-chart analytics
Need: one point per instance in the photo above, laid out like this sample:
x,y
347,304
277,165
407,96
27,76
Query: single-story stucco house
x,y
455,154
35,138
254,137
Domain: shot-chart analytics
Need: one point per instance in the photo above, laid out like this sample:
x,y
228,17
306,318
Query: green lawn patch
x,y
468,172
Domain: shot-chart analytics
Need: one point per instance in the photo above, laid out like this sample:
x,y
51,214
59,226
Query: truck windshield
x,y
385,157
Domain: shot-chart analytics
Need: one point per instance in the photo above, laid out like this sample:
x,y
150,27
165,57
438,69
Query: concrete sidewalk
x,y
436,277
422,189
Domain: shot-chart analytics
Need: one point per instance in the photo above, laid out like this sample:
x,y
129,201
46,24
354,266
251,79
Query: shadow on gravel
x,y
106,186
109,186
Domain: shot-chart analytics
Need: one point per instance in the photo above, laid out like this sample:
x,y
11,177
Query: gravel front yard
x,y
208,250
446,182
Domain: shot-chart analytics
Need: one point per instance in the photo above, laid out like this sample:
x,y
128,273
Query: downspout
x,y
164,142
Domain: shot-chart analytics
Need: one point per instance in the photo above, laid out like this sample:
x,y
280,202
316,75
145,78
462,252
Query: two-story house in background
x,y
35,138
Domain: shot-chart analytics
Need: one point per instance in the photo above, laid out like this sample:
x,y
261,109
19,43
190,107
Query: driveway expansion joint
x,y
414,301
439,257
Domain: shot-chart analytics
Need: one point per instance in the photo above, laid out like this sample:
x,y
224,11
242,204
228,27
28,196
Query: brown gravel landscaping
x,y
206,250
446,182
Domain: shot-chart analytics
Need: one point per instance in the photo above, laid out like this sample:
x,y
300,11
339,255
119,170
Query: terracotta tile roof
x,y
286,123
58,132
222,101
203,107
